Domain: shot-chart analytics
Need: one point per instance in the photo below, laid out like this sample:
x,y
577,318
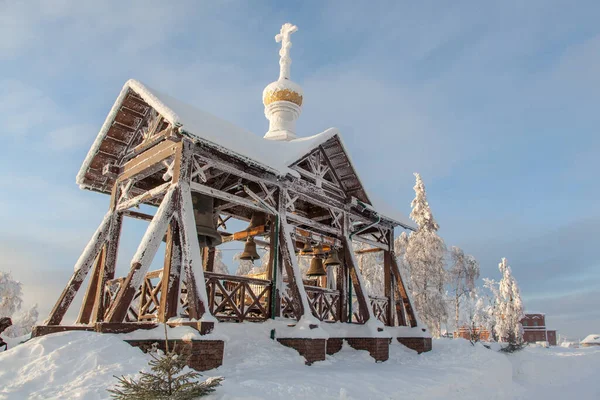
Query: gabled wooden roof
x,y
138,107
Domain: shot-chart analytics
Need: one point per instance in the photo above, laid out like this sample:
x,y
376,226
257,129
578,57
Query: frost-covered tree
x,y
371,268
509,308
23,323
489,303
11,295
474,314
424,254
11,300
462,276
219,266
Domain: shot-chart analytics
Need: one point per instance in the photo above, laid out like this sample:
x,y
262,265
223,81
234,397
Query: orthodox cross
x,y
285,61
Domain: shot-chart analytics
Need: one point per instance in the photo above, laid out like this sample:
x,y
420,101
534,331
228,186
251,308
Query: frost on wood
x,y
191,248
153,237
96,242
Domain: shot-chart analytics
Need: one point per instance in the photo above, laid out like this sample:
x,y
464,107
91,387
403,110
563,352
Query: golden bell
x,y
318,251
316,268
257,219
204,215
306,250
250,250
332,259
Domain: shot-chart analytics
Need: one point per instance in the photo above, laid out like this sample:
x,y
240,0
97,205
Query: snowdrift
x,y
81,365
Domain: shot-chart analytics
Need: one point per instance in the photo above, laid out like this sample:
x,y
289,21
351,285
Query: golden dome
x,y
283,90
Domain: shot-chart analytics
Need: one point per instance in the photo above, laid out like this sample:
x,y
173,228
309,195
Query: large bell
x,y
204,215
316,267
250,250
257,219
306,250
332,259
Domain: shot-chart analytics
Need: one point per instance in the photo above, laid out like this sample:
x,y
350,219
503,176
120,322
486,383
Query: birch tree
x,y
462,276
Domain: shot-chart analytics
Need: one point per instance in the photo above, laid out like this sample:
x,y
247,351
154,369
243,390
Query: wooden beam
x,y
110,265
208,259
87,305
144,197
373,243
149,161
306,235
313,224
403,294
243,235
143,257
372,250
82,268
219,194
138,215
171,278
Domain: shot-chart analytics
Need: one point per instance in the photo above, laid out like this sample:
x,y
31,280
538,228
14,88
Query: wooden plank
x,y
144,197
243,235
82,268
387,284
410,314
149,161
208,259
370,242
138,215
110,264
87,305
171,275
372,250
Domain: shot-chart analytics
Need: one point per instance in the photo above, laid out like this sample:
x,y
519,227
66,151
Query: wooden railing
x,y
380,307
110,293
238,298
324,303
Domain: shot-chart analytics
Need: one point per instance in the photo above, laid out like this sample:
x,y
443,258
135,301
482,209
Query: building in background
x,y
465,333
534,329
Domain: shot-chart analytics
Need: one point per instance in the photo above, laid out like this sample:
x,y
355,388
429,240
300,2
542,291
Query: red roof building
x,y
534,329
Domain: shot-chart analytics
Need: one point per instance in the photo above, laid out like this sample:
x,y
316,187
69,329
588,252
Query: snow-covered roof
x,y
273,156
593,338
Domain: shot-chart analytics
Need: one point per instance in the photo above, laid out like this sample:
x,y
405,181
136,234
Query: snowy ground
x,y
80,365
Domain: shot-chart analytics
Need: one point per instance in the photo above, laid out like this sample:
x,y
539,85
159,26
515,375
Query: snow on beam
x,y
219,194
192,257
143,257
81,269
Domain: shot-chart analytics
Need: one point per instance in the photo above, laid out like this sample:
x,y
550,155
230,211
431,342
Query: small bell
x,y
250,250
306,250
332,259
319,251
316,268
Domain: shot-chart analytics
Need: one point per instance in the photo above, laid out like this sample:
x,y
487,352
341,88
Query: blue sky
x,y
494,103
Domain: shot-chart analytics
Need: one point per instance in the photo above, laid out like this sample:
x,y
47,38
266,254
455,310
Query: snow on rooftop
x,y
593,338
274,156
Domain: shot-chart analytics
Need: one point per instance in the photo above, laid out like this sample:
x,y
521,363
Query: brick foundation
x,y
202,354
378,348
334,345
311,349
420,345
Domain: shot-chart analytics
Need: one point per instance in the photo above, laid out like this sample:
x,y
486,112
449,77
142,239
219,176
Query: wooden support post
x,y
286,246
171,275
82,268
364,304
191,253
143,257
403,294
87,306
388,281
110,265
208,259
342,287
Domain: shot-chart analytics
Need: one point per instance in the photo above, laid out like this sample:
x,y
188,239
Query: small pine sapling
x,y
165,381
